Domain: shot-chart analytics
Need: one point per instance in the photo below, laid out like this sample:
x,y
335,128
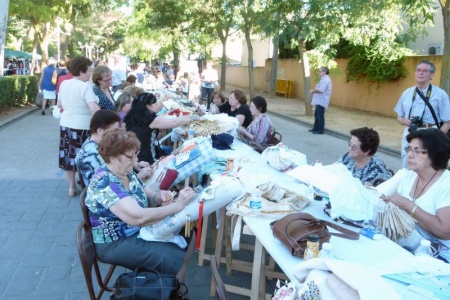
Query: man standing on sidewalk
x,y
412,109
119,74
321,98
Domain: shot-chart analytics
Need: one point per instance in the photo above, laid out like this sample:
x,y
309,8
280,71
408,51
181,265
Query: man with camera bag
x,y
422,106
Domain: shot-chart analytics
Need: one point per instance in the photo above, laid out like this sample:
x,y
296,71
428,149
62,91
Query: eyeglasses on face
x,y
353,146
419,70
108,79
131,157
415,151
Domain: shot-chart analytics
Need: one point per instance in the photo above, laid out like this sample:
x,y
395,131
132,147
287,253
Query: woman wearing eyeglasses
x,y
424,190
102,78
119,205
361,159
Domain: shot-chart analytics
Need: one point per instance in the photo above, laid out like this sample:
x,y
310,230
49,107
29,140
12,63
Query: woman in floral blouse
x,y
361,159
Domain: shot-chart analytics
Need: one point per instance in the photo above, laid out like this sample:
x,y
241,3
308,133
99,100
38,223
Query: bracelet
x,y
413,211
192,117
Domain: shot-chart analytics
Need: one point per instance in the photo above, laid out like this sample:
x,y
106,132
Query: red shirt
x,y
61,79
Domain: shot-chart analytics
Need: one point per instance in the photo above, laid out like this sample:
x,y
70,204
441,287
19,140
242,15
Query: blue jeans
x,y
319,119
206,95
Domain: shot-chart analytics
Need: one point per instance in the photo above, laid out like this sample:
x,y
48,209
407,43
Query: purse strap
x,y
345,233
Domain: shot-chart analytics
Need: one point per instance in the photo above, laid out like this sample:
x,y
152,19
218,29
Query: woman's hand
x,y
165,197
138,166
402,202
145,173
185,196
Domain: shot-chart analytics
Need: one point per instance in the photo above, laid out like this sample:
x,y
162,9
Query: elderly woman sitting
x,y
119,205
424,191
88,159
260,129
361,159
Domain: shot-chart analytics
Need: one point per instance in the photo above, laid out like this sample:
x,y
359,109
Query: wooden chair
x,y
221,292
84,209
89,261
275,139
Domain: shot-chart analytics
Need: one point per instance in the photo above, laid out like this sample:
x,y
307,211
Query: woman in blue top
x,y
46,85
102,78
361,159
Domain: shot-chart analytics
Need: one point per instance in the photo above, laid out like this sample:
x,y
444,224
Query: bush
x,y
17,90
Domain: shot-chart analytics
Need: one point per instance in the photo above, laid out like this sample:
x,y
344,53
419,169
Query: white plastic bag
x,y
56,112
283,158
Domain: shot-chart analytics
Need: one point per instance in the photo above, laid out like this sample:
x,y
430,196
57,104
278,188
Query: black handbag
x,y
146,284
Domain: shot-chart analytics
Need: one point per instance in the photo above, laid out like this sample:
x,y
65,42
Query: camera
x,y
416,122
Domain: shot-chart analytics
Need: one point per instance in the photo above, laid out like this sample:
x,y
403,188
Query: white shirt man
x,y
412,105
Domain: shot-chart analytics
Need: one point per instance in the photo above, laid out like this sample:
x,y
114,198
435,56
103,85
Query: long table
x,y
364,251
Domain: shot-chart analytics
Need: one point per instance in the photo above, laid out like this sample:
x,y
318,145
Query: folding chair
x,y
89,261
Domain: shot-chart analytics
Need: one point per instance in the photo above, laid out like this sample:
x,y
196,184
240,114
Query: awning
x,y
19,54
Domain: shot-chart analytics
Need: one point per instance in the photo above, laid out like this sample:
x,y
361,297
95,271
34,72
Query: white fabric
x,y
325,178
361,278
227,123
74,96
225,190
283,158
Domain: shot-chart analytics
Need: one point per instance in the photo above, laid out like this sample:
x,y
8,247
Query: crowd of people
x,y
112,143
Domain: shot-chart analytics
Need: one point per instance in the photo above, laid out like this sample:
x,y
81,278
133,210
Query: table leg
x,y
258,273
219,245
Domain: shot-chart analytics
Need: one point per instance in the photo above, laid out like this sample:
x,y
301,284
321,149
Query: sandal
x,y
73,192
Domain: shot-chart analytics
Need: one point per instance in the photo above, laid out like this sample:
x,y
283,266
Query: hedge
x,y
17,90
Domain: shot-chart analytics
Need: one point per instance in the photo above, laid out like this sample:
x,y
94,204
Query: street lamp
x,y
98,50
85,46
59,22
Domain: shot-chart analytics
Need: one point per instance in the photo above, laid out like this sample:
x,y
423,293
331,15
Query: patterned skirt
x,y
70,142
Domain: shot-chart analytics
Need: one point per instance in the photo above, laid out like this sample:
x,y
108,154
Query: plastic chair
x,y
89,261
221,292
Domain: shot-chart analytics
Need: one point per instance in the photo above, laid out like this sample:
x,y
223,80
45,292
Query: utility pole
x,y
3,24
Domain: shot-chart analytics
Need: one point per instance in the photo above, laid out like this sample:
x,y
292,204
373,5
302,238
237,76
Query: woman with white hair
x,y
46,85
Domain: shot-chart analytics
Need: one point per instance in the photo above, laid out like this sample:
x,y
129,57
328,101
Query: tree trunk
x,y
306,77
223,70
445,70
251,79
4,4
274,71
35,46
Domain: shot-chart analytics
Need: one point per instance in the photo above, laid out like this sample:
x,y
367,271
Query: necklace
x,y
417,183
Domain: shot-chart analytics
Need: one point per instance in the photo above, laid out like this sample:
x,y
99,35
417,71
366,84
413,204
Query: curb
x,y
17,117
381,148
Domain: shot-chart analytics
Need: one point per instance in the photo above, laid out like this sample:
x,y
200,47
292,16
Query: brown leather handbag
x,y
293,230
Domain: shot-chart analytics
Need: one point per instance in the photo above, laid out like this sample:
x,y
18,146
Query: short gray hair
x,y
427,62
